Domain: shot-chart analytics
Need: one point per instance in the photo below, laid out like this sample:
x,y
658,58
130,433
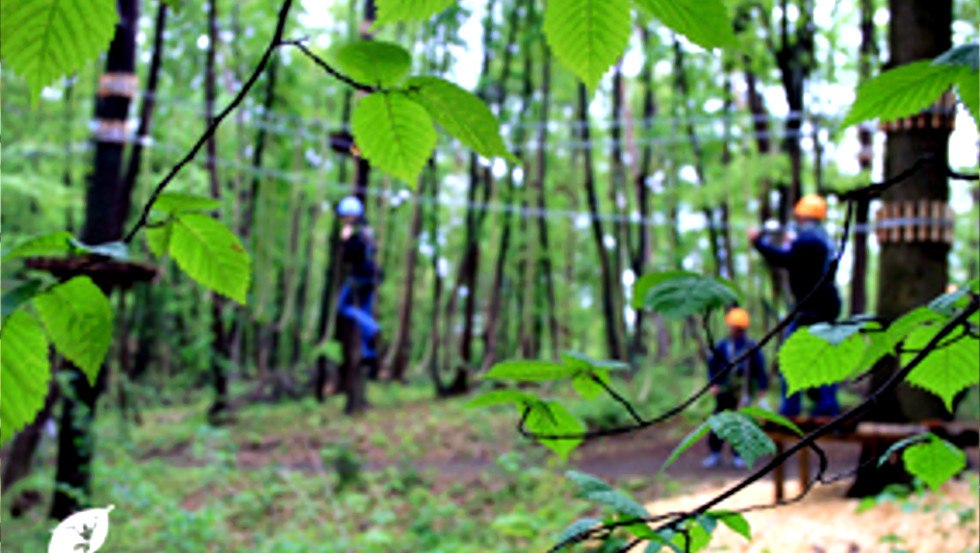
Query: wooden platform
x,y
866,433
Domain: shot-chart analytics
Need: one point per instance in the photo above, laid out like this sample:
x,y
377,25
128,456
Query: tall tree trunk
x,y
220,353
617,198
397,359
104,221
614,343
545,255
911,272
859,243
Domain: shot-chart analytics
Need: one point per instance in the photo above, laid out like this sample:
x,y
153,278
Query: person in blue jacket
x,y
739,386
807,255
357,294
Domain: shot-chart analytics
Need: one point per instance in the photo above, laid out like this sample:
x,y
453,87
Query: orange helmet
x,y
737,318
811,206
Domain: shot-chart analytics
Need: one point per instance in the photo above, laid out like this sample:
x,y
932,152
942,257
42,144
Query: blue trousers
x,y
824,398
358,305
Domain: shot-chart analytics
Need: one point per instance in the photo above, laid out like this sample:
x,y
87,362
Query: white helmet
x,y
350,207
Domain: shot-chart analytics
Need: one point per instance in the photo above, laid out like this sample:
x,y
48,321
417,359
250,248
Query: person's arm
x,y
716,363
775,255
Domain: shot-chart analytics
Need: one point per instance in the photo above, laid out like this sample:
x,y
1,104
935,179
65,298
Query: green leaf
x,y
551,417
619,503
20,295
586,483
394,133
582,361
158,238
948,304
965,55
900,445
47,39
371,62
587,387
24,372
735,521
55,244
211,254
934,461
679,294
704,22
502,397
461,114
775,418
837,333
587,36
902,91
883,343
179,202
664,538
78,319
947,370
577,528
529,370
744,435
390,11
808,361
692,438
968,89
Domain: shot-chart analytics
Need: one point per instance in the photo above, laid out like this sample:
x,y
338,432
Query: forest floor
x,y
411,474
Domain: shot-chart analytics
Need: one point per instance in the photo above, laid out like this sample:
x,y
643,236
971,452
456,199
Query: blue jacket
x,y
358,255
726,351
806,258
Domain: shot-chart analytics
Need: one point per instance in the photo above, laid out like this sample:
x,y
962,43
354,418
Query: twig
x,y
327,67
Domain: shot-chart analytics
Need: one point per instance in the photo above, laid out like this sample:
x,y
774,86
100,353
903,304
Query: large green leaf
x,y
371,62
390,11
704,22
551,417
774,418
679,294
808,361
47,39
19,295
588,36
934,461
945,371
24,372
211,254
55,244
180,202
745,436
460,113
158,238
902,91
881,344
394,133
587,483
502,397
529,370
78,319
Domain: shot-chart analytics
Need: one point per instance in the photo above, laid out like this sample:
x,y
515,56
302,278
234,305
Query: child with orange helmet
x,y
741,383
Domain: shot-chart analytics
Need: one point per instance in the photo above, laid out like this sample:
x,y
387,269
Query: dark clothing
x,y
356,300
807,258
753,368
358,256
734,385
724,401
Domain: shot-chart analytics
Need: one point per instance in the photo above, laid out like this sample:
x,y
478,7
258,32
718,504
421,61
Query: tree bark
x,y
911,273
104,221
859,242
614,343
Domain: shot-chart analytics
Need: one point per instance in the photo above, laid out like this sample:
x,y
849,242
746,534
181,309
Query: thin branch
x,y
328,68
